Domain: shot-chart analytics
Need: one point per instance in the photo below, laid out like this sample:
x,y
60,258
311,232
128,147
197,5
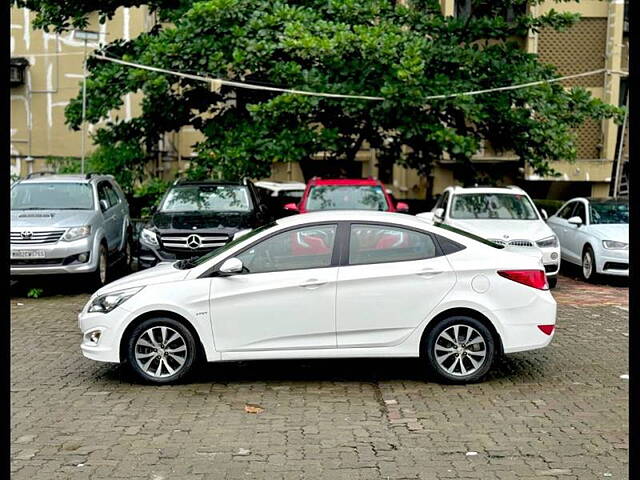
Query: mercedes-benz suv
x,y
63,224
195,217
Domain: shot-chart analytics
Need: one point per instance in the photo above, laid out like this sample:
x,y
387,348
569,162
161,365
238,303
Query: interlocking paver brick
x,y
560,412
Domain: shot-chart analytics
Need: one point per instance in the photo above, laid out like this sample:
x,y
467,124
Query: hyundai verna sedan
x,y
327,285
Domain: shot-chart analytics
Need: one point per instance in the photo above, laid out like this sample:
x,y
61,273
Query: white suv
x,y
503,215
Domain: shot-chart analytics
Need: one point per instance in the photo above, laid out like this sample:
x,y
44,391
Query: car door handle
x,y
429,272
312,283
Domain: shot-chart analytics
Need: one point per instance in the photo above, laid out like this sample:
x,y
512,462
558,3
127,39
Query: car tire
x,y
588,266
472,352
100,276
156,362
553,281
127,254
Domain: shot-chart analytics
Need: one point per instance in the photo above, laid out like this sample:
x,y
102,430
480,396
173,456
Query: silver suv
x,y
69,224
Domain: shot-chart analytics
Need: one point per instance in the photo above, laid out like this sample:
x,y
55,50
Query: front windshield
x,y
212,198
494,206
609,213
194,262
52,196
343,197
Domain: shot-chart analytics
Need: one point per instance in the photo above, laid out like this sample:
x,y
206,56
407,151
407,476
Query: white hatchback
x,y
504,215
327,285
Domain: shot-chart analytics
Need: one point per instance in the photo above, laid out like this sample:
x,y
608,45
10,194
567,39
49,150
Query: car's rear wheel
x,y
588,264
161,350
127,254
460,349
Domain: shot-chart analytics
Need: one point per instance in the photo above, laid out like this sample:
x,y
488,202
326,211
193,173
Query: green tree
x,y
404,53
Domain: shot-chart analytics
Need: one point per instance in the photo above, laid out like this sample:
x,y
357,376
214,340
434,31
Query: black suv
x,y
195,217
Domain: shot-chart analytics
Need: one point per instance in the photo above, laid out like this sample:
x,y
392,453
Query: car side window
x,y
103,194
302,248
112,195
383,244
445,201
566,212
581,212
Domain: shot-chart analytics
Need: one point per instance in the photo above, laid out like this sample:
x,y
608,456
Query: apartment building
x,y
42,85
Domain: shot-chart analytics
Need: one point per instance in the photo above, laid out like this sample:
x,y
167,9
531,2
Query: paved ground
x,y
558,413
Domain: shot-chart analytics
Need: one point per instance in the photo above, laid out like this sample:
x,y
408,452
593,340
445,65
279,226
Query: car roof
x,y
512,189
351,215
181,183
65,178
281,185
344,181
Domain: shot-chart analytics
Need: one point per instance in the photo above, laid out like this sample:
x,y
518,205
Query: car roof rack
x,y
40,174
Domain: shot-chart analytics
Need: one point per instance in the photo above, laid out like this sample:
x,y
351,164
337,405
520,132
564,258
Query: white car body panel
x,y
374,310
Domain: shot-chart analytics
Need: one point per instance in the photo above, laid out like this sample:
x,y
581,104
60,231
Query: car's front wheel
x,y
460,349
588,264
101,274
553,281
161,350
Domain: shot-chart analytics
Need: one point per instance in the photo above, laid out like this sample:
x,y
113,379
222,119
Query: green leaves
x,y
360,47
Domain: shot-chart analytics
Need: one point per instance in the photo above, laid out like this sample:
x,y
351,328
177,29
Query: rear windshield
x,y
469,235
52,196
346,197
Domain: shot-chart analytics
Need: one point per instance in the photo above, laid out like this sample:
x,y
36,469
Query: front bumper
x,y
613,262
551,260
60,258
107,349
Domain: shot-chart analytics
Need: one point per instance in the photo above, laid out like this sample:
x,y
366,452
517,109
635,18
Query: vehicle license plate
x,y
27,254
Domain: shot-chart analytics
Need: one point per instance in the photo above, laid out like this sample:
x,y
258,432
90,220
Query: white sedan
x,y
594,233
333,284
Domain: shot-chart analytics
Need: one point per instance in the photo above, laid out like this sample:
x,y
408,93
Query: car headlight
x,y
108,301
547,242
613,245
76,233
149,237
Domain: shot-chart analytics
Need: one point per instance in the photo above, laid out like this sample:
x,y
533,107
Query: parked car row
x,y
590,232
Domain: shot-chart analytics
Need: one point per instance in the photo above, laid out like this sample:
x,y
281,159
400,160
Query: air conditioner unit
x,y
16,71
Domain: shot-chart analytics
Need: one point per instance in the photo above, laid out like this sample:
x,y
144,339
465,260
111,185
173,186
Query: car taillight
x,y
532,278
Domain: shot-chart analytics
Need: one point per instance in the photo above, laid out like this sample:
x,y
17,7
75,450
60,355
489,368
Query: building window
x,y
464,10
16,71
626,17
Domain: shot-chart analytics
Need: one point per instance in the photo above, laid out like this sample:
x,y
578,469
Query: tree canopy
x,y
405,52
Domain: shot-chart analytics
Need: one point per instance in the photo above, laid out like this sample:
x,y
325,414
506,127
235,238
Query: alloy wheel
x,y
460,350
161,351
103,266
587,265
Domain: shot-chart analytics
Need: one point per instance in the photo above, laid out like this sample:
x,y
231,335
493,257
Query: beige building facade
x,y
47,72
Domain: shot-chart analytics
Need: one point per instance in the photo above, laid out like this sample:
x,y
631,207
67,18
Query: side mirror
x,y
544,214
104,206
231,265
402,207
292,207
438,213
577,221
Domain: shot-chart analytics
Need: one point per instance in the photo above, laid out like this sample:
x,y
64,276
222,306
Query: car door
x,y
285,299
109,215
558,223
574,236
390,280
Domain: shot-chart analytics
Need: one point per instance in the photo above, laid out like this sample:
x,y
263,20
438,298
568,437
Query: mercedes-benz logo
x,y
26,234
194,241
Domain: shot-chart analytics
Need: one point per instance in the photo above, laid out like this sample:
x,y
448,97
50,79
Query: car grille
x,y
550,267
512,243
36,237
193,242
